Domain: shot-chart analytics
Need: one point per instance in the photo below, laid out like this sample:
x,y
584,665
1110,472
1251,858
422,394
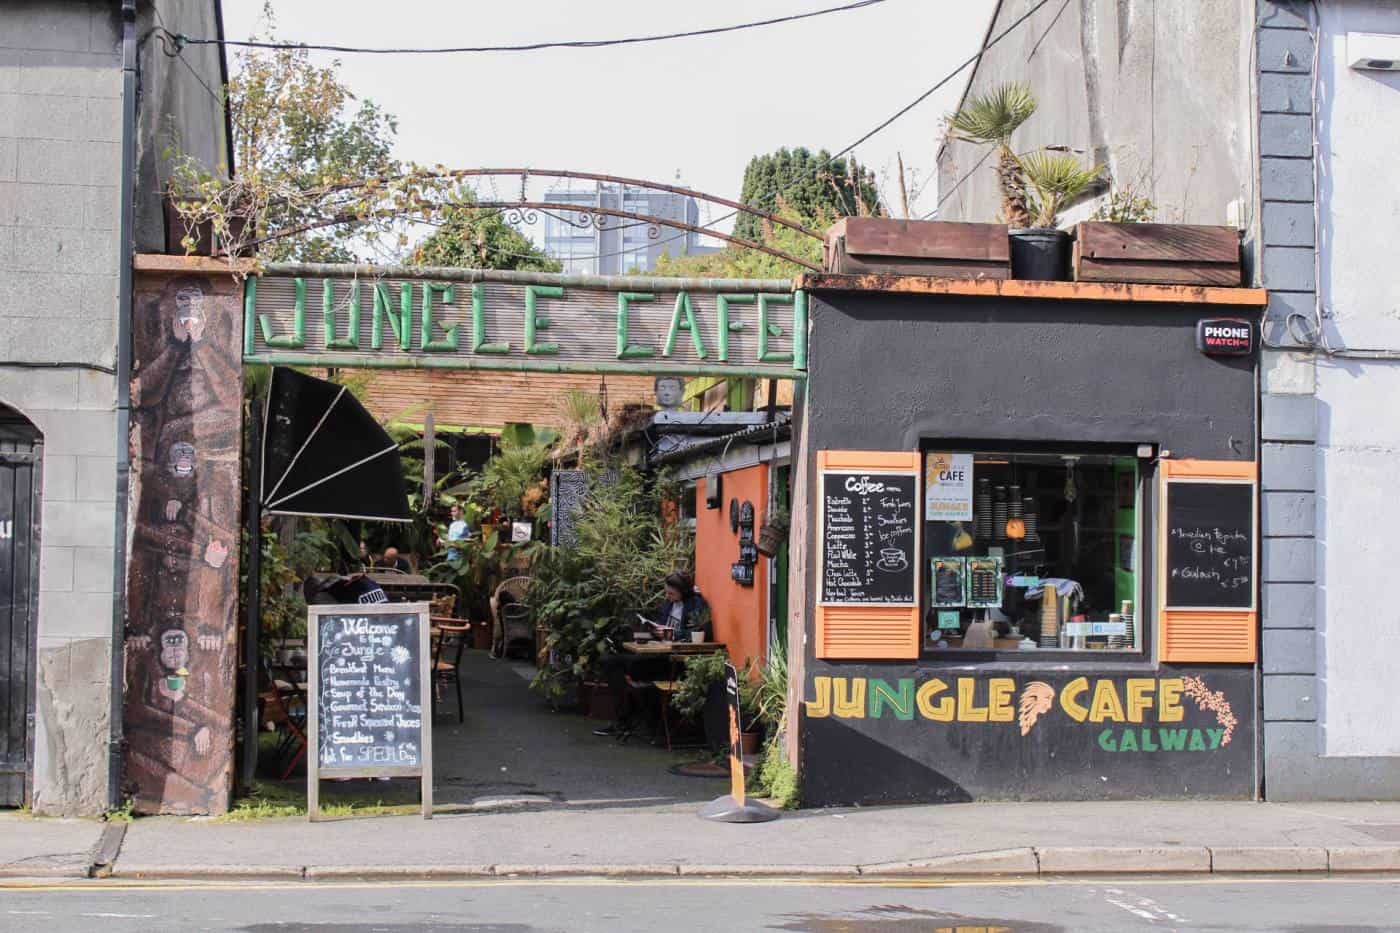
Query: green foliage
x,y
775,778
283,608
772,688
1126,206
992,118
512,481
1057,179
126,813
811,184
478,238
587,596
296,129
702,672
737,262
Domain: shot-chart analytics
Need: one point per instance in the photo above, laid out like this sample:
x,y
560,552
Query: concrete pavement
x,y
640,840
32,847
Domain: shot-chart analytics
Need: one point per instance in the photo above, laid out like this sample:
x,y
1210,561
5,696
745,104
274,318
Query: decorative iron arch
x,y
521,209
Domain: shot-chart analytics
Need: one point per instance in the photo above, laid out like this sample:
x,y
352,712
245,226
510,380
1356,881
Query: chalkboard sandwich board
x,y
869,546
1210,545
369,696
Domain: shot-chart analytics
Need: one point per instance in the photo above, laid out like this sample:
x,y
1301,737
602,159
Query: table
x,y
676,653
673,648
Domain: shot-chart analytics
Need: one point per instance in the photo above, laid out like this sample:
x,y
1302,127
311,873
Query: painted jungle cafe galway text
x,y
1029,565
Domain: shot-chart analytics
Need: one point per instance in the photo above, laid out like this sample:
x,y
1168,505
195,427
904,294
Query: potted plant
x,y
1057,179
1034,188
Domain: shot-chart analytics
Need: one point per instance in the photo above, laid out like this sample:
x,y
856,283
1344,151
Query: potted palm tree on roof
x,y
1034,188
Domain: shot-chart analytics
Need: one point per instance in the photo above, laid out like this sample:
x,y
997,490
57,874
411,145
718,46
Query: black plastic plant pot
x,y
1040,253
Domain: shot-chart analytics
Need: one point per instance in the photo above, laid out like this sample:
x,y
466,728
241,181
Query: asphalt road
x,y
1290,905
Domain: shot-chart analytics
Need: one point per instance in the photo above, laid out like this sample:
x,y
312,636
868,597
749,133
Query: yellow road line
x,y
114,885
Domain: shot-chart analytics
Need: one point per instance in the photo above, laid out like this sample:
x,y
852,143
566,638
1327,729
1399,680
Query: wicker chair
x,y
511,620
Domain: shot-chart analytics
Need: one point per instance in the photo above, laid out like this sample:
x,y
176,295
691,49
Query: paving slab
x,y
38,847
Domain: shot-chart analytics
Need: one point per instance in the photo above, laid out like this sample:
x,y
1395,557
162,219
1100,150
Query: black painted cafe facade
x,y
1029,561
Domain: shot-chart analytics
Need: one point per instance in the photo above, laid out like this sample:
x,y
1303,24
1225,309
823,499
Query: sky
x,y
697,109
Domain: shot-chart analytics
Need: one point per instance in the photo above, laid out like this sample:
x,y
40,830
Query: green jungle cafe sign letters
x,y
528,322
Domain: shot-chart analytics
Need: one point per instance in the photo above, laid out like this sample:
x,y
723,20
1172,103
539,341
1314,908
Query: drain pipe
x,y
126,259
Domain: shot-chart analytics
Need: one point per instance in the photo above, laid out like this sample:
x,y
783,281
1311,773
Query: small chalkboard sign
x,y
567,490
869,538
369,696
1210,545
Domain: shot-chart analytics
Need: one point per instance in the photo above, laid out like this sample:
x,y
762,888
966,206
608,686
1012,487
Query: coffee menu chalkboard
x,y
1210,545
369,703
869,539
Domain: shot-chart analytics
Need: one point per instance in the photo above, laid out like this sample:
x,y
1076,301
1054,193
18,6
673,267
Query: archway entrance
x,y
541,325
21,454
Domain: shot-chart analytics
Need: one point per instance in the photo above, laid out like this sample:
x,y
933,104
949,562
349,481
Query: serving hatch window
x,y
1031,551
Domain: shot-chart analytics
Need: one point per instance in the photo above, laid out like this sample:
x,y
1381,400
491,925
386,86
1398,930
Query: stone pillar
x,y
182,582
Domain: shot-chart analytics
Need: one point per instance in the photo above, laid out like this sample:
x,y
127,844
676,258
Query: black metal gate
x,y
21,453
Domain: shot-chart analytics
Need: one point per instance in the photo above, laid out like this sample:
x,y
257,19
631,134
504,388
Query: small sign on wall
x,y
948,488
1225,337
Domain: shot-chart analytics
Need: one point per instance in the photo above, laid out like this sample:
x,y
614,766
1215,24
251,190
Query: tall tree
x,y
479,238
811,185
299,135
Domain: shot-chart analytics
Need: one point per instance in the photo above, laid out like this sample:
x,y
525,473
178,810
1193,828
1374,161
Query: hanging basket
x,y
772,535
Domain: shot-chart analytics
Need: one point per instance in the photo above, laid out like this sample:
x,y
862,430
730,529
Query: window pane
x,y
1047,559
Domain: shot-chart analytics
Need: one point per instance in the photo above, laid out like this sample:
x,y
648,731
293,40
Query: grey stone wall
x,y
1108,76
60,126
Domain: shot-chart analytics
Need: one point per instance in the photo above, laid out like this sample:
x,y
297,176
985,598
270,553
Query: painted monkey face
x,y
174,650
182,459
189,314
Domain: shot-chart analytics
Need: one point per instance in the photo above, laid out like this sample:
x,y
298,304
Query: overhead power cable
x,y
880,127
527,47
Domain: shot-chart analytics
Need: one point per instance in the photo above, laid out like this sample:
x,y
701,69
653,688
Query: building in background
x,y
617,245
1282,118
68,71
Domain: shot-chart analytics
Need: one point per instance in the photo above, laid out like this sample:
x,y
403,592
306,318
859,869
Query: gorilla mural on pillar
x,y
183,572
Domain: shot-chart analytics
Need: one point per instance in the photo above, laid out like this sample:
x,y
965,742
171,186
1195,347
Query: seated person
x,y
683,611
392,560
332,589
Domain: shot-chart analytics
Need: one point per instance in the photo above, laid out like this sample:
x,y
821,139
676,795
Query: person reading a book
x,y
683,612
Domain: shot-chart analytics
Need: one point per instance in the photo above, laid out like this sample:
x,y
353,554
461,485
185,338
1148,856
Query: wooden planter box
x,y
884,246
202,233
1165,254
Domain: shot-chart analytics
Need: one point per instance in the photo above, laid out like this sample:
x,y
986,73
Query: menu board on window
x,y
869,541
1210,545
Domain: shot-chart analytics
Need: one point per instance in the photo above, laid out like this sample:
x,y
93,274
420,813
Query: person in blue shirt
x,y
682,612
457,529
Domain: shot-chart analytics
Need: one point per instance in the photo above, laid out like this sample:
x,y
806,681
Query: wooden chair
x,y
518,626
284,706
448,648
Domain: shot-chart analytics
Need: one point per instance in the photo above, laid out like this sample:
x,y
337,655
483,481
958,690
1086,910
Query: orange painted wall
x,y
740,613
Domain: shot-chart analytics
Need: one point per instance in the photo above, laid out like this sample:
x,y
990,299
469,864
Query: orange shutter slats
x,y
1205,635
867,632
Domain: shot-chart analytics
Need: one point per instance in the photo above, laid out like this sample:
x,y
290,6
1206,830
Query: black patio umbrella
x,y
324,455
